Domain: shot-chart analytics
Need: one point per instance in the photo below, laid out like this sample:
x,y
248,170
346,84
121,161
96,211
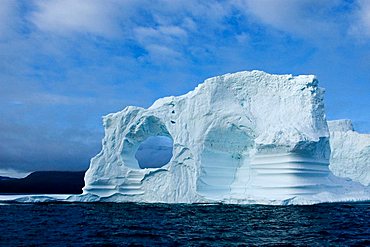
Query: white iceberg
x,y
247,137
350,152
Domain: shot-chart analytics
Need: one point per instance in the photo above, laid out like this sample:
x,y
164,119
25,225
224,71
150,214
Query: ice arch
x,y
146,128
154,152
225,150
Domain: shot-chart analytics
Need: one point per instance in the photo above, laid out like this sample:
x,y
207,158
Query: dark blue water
x,y
190,225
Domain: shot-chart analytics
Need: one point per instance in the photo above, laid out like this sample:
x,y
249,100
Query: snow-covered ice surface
x,y
246,137
350,152
33,198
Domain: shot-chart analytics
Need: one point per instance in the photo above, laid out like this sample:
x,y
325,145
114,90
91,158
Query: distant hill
x,y
44,182
6,178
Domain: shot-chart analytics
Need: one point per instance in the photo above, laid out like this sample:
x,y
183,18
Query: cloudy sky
x,y
65,63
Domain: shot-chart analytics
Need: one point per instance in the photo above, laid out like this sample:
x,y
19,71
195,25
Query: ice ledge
x,y
341,125
361,195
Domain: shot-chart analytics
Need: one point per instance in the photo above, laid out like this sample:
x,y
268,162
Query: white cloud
x,y
161,34
120,18
86,16
361,25
365,13
305,18
161,27
163,54
112,17
161,42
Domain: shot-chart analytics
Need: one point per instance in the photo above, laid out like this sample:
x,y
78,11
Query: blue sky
x,y
65,63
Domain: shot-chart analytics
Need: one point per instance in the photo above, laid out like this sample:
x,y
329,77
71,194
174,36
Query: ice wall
x,y
350,155
236,137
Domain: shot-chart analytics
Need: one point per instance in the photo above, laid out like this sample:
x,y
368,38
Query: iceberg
x,y
350,152
246,137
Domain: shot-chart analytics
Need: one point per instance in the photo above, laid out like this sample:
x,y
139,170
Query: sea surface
x,y
111,224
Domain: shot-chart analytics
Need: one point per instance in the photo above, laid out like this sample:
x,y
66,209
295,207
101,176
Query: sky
x,y
66,63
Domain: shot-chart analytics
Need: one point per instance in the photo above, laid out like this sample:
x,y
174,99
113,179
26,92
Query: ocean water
x,y
125,224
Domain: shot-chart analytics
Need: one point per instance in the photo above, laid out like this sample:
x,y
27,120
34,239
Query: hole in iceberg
x,y
154,152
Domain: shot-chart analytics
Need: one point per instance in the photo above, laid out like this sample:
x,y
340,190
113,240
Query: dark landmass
x,y
44,182
6,178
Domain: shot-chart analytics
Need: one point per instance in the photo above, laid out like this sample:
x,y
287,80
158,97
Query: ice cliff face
x,y
236,138
350,155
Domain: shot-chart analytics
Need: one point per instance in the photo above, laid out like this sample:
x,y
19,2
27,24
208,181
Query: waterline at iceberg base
x,y
247,137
